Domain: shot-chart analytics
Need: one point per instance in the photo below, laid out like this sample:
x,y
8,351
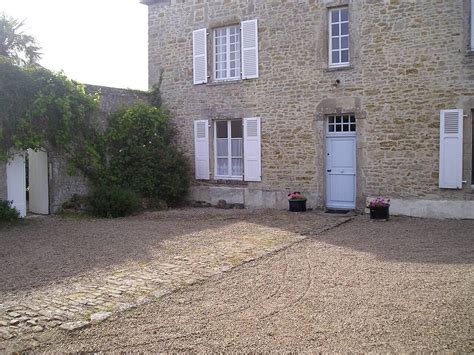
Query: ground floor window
x,y
229,152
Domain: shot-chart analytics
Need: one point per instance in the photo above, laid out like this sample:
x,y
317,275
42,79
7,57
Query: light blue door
x,y
341,172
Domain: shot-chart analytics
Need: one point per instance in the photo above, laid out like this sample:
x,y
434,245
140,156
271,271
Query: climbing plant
x,y
39,108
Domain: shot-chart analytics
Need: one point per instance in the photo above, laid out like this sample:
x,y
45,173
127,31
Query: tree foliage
x,y
142,154
39,108
20,47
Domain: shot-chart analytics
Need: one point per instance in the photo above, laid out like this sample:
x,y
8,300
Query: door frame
x,y
332,135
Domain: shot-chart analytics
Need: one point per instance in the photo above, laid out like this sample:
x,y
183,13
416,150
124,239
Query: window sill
x,y
332,69
224,182
224,82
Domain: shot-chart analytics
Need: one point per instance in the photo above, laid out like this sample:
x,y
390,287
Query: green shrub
x,y
143,155
7,212
112,202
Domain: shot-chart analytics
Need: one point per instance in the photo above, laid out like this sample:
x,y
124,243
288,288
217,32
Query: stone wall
x,y
409,59
63,185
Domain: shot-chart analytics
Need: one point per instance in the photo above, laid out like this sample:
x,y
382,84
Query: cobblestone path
x,y
105,266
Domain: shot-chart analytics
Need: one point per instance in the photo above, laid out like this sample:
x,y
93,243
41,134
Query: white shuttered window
x,y
252,149
227,53
249,49
472,25
229,149
200,56
450,149
201,149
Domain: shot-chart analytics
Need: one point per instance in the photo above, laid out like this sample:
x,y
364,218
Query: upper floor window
x,y
234,52
339,37
227,53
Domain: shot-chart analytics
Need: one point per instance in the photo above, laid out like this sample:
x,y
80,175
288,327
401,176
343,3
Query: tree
x,y
14,44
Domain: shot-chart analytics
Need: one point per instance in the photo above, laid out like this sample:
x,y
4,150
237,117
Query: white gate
x,y
341,162
38,181
16,183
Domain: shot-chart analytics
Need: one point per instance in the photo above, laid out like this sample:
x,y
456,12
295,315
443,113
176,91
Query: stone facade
x,y
62,185
409,60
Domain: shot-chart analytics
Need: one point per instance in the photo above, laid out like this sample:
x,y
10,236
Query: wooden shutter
x,y
472,25
450,149
200,56
249,31
201,149
252,150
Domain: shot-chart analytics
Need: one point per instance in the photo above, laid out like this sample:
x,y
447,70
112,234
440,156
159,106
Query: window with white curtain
x,y
229,150
227,53
339,37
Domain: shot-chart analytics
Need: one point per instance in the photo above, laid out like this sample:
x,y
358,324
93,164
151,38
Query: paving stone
x,y
70,326
100,316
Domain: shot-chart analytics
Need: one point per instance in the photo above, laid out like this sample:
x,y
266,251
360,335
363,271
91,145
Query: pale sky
x,y
101,42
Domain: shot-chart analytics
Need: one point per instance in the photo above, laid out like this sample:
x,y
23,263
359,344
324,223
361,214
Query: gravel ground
x,y
399,286
45,250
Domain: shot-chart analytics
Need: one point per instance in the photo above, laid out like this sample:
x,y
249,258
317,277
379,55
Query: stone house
x,y
340,99
50,184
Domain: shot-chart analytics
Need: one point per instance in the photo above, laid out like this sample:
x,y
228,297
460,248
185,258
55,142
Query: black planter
x,y
379,213
297,205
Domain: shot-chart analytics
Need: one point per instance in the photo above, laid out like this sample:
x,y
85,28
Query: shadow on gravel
x,y
405,239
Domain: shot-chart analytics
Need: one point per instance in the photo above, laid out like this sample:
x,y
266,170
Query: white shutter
x,y
200,56
252,150
472,25
249,32
450,149
201,149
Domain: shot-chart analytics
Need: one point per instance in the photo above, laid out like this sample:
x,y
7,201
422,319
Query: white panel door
x,y
16,183
38,181
341,172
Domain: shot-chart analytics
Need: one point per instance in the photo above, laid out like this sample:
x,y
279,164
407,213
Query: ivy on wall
x,y
137,151
39,108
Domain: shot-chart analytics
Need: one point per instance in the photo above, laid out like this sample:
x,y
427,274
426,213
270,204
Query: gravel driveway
x,y
399,286
63,273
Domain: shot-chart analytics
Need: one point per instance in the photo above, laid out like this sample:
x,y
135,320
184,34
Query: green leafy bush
x,y
112,202
142,155
7,212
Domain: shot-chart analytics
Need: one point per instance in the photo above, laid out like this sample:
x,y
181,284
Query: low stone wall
x,y
249,196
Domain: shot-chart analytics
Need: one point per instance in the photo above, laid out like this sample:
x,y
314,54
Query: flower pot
x,y
297,205
380,213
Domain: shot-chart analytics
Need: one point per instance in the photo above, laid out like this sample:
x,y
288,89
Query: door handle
x,y
329,171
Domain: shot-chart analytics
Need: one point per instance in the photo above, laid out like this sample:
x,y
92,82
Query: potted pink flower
x,y
297,201
379,208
